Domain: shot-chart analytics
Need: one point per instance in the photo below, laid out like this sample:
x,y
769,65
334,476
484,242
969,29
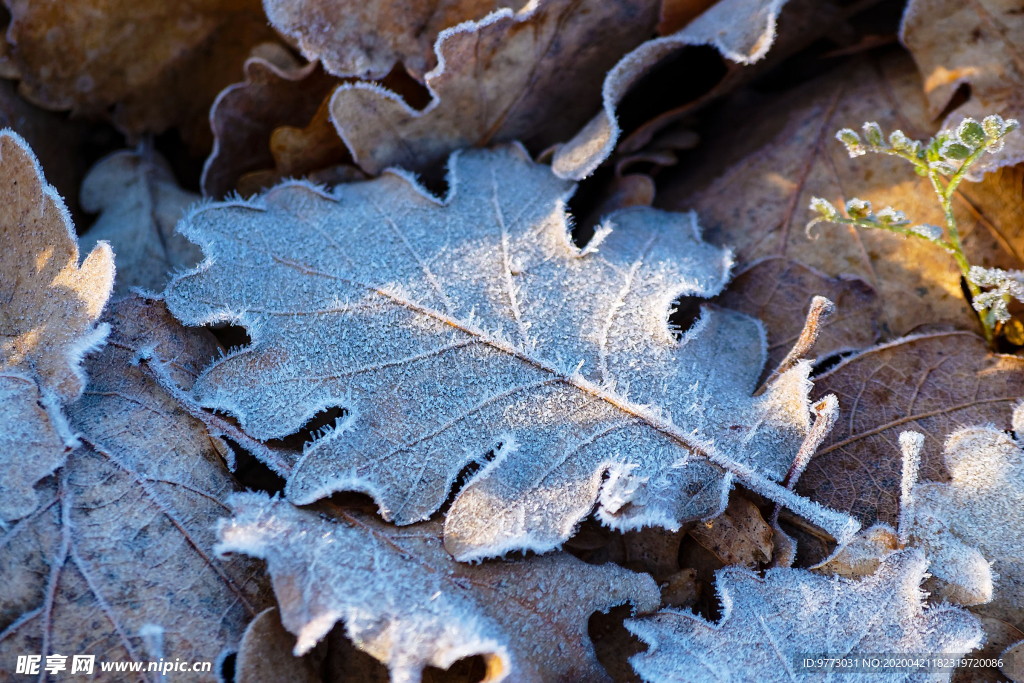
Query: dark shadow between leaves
x,y
231,337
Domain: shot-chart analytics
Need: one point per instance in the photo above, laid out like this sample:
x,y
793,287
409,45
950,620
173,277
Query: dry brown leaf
x,y
60,144
590,535
149,65
346,663
933,384
314,152
778,292
367,39
742,30
863,555
313,147
265,654
614,645
532,76
624,191
653,550
802,24
768,170
999,636
784,547
974,44
692,555
124,539
675,14
49,306
681,589
738,536
277,91
404,600
139,203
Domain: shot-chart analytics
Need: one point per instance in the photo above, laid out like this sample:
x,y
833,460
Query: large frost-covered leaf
x,y
48,310
123,538
766,621
405,601
451,329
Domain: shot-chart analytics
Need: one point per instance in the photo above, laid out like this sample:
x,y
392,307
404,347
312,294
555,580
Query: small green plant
x,y
945,160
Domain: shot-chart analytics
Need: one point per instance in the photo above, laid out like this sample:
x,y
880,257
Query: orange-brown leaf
x,y
737,536
933,384
152,65
277,91
976,45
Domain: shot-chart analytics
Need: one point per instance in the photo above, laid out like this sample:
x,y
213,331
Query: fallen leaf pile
x,y
474,340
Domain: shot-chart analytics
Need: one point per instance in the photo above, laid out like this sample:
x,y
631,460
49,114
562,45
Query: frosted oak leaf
x,y
49,305
405,601
970,525
766,621
452,329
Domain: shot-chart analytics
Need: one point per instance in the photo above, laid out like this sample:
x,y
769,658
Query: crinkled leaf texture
x,y
742,30
931,383
975,519
404,600
534,75
367,39
766,621
48,310
451,329
123,536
